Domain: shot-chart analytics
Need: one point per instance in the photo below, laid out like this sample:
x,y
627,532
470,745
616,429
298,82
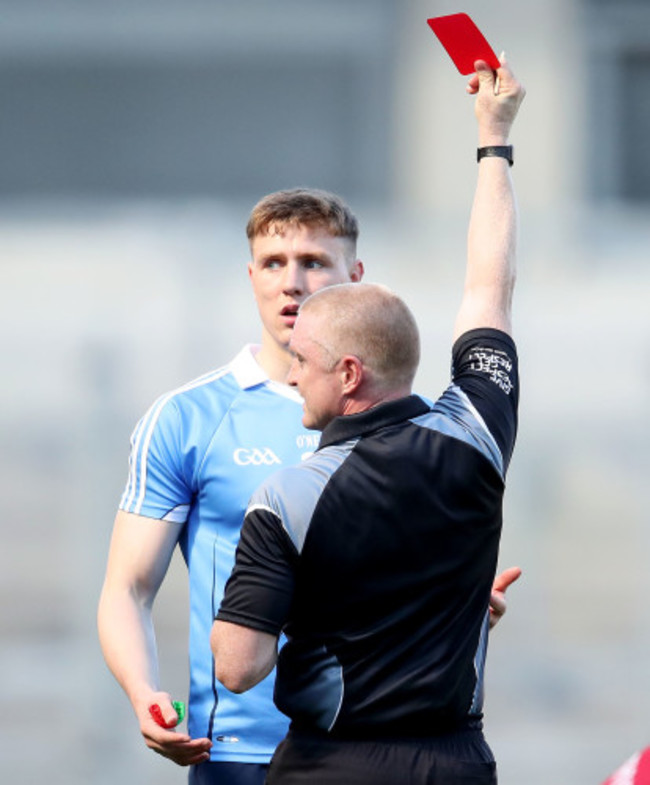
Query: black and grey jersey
x,y
376,556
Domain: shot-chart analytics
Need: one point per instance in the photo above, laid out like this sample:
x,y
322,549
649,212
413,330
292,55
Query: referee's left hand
x,y
498,603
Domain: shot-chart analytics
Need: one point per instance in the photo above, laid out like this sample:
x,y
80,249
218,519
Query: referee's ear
x,y
352,374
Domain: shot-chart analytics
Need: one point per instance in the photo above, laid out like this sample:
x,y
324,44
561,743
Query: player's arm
x,y
140,552
242,656
491,252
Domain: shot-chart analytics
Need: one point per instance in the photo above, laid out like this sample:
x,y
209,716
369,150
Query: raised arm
x,y
140,552
492,237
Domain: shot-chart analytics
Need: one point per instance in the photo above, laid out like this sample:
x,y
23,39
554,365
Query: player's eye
x,y
272,264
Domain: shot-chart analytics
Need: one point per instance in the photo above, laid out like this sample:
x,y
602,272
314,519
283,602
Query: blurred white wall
x,y
108,300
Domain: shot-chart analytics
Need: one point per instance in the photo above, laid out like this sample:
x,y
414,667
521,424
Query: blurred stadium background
x,y
135,137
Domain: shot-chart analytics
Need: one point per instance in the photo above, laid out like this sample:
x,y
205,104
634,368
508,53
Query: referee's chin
x,y
310,421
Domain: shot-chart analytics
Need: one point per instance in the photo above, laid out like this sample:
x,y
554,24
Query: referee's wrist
x,y
504,151
493,140
493,136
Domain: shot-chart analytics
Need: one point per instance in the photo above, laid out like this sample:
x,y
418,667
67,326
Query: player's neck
x,y
274,361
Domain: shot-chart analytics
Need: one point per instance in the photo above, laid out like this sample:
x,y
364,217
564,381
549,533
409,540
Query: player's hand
x,y
498,595
498,98
170,743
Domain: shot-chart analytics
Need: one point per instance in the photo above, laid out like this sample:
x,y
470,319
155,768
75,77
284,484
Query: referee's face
x,y
315,372
288,264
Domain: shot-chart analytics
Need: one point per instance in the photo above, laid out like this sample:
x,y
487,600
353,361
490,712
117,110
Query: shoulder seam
x,y
265,508
140,446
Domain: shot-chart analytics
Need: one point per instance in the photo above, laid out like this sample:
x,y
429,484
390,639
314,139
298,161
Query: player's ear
x,y
356,271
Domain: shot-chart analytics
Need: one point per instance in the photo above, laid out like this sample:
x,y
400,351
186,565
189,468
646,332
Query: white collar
x,y
249,373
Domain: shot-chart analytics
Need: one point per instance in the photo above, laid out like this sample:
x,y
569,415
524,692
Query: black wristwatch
x,y
499,151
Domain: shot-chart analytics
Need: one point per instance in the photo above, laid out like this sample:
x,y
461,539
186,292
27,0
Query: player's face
x,y
287,267
315,373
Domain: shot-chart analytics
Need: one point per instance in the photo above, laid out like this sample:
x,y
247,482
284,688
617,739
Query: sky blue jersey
x,y
196,457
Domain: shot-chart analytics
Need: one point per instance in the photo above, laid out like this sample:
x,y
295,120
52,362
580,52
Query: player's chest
x,y
251,442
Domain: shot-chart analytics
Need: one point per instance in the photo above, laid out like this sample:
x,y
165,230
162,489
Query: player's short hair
x,y
303,207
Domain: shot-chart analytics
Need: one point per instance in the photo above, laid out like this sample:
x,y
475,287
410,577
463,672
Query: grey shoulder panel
x,y
293,493
454,415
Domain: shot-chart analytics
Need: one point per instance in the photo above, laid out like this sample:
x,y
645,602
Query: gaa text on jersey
x,y
255,456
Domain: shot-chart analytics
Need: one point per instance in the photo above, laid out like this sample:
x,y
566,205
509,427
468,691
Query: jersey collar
x,y
245,368
249,373
353,425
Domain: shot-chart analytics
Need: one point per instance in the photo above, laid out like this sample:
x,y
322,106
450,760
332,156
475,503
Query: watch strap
x,y
496,151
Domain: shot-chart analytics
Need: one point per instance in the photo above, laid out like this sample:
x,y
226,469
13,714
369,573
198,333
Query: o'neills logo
x,y
255,456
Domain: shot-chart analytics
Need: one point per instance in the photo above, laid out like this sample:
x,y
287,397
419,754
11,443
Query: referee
x,y
376,556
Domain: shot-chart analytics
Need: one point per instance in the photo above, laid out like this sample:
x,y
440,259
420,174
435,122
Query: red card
x,y
464,42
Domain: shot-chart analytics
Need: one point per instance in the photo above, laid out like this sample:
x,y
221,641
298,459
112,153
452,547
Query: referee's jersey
x,y
377,555
196,457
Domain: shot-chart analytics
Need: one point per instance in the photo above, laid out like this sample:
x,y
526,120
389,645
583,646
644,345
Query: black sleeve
x,y
485,367
259,592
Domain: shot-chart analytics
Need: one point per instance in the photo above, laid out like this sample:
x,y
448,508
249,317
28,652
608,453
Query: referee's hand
x,y
498,603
